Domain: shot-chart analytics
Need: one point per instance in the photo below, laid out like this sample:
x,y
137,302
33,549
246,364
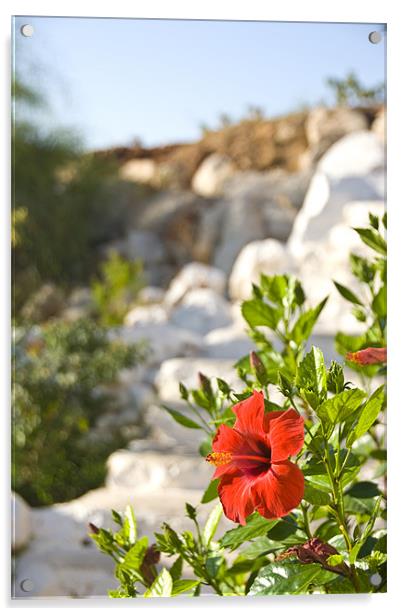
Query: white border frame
x,y
287,10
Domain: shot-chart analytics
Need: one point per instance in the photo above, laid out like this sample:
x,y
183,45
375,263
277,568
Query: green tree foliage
x,y
58,371
65,202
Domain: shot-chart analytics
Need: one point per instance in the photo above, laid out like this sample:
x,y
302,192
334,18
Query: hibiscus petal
x,y
286,434
235,495
227,439
279,491
250,414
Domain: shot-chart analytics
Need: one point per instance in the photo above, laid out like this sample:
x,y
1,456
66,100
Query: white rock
x,y
163,340
351,170
356,154
201,311
325,126
142,170
328,260
151,470
257,206
186,371
265,256
145,245
194,276
151,295
242,223
145,315
228,343
211,175
142,395
21,522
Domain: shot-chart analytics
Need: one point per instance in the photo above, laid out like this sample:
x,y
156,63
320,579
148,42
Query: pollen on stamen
x,y
218,458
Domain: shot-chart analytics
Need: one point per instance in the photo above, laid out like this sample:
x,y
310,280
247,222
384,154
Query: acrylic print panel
x,y
199,284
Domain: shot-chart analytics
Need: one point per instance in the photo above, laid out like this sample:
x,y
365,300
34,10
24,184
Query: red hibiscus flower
x,y
252,461
368,356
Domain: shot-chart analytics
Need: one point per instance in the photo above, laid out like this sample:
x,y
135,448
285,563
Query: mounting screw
x,y
27,30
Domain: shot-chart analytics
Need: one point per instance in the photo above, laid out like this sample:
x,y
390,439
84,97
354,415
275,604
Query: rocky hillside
x,y
245,182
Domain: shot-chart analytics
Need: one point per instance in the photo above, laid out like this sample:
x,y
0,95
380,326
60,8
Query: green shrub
x,y
116,290
350,91
58,370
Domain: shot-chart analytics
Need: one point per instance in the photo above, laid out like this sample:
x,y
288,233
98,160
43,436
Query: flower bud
x,y
369,356
258,368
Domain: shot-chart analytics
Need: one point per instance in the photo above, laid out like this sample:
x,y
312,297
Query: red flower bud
x,y
369,356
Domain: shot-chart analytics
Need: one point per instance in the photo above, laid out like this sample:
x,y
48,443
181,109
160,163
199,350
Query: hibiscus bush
x,y
298,457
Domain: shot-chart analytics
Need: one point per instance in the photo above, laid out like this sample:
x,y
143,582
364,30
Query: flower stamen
x,y
219,458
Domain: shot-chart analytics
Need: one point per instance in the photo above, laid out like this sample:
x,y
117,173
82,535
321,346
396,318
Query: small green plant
x,y
116,290
57,370
290,472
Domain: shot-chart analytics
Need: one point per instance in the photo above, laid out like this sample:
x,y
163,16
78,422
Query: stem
x,y
207,428
306,522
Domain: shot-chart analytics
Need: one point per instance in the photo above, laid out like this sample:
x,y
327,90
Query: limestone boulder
x,y
201,310
194,276
211,175
260,257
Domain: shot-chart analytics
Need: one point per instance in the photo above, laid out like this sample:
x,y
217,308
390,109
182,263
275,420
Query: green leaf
x,y
362,268
183,391
256,312
275,287
314,496
129,524
210,492
176,569
335,378
182,419
211,524
116,517
213,564
223,386
255,527
335,559
134,557
311,377
368,415
347,294
372,238
364,489
259,546
170,539
304,325
369,527
288,579
373,221
191,511
379,304
162,585
286,531
181,586
205,447
339,407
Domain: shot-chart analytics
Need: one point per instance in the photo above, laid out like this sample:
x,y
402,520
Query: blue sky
x,y
115,80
